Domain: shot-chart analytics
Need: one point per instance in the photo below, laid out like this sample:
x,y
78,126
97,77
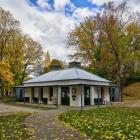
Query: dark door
x,y
20,96
102,93
87,95
65,99
41,93
32,93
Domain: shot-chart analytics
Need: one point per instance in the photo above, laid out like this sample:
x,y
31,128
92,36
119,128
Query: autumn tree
x,y
20,55
110,41
47,61
120,36
32,58
10,48
83,40
56,62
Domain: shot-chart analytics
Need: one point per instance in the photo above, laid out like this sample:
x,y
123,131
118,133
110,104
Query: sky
x,y
49,21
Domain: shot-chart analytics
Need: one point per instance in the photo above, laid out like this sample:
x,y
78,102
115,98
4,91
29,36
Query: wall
x,y
28,93
94,94
77,101
46,92
106,94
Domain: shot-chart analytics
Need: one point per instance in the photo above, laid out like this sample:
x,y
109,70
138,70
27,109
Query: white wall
x,y
36,91
46,93
77,101
28,93
94,93
106,94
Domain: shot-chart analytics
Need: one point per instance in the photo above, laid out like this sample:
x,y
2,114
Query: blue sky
x,y
76,3
49,21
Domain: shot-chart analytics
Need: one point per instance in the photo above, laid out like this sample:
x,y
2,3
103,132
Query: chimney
x,y
74,64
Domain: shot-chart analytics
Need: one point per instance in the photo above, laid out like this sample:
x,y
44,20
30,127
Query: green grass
x,y
12,127
105,123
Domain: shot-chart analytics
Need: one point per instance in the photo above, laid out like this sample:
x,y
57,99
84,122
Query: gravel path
x,y
48,127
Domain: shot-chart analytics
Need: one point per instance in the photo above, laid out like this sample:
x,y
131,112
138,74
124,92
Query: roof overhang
x,y
66,83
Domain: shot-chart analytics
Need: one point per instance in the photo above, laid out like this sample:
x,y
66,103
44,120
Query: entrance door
x,y
102,93
87,95
41,93
65,99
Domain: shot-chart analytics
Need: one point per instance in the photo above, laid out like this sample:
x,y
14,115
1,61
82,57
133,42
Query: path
x,y
46,123
48,127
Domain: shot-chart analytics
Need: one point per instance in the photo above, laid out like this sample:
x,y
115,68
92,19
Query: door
x,y
32,94
41,93
87,95
102,93
65,99
112,94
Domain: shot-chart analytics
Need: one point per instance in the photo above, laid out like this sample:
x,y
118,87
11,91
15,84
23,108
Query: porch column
x,y
111,95
98,95
81,90
24,94
39,92
57,98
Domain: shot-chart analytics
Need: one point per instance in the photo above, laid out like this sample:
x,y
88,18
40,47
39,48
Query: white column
x,y
82,96
92,95
59,95
70,95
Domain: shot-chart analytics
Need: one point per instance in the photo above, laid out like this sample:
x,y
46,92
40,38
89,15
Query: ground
x,y
132,91
110,123
47,124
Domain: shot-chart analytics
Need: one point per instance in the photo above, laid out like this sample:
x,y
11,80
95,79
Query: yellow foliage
x,y
5,74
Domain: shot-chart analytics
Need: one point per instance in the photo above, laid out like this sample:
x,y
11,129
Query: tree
x,y
20,55
10,49
47,61
32,58
56,62
120,35
6,77
83,40
110,41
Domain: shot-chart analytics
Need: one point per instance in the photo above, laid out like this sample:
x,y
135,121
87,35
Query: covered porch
x,y
72,95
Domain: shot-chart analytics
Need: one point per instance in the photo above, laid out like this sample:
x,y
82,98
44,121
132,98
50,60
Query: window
x,y
51,93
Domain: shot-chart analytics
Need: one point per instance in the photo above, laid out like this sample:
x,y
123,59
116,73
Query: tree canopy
x,y
20,55
109,42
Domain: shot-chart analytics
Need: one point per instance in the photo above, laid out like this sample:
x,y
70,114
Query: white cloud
x,y
81,13
43,4
60,4
49,28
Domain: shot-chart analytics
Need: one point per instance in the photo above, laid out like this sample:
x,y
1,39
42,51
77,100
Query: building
x,y
71,86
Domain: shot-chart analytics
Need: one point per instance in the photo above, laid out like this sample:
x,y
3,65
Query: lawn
x,y
12,127
105,123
